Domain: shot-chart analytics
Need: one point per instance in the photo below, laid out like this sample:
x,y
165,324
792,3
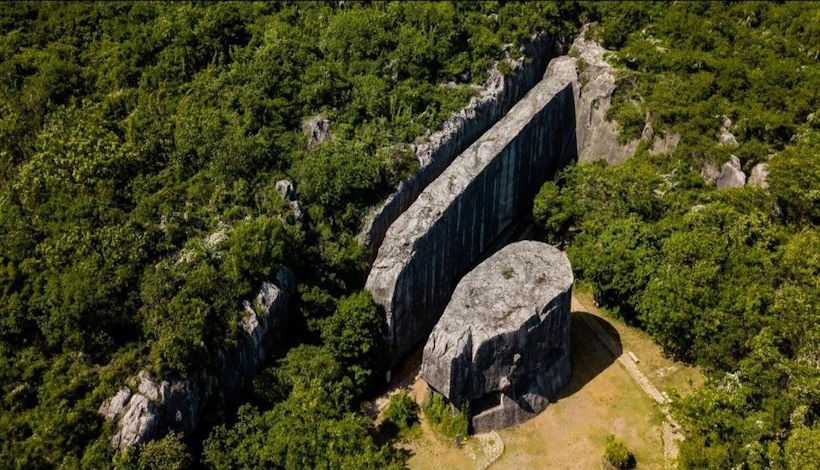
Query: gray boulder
x,y
725,137
317,129
760,176
731,176
503,340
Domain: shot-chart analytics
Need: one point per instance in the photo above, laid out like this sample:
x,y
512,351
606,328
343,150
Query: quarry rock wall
x,y
145,407
447,229
498,94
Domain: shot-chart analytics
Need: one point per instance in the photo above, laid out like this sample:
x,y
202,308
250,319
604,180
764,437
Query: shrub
x,y
168,453
617,454
401,412
445,418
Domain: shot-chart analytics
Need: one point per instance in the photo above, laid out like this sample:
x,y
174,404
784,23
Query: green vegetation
x,y
727,280
402,413
617,455
140,144
444,417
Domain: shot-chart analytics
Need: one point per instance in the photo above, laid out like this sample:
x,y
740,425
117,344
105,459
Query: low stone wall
x,y
144,408
446,231
499,94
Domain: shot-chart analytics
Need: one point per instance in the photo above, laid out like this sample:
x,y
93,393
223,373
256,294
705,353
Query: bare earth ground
x,y
603,397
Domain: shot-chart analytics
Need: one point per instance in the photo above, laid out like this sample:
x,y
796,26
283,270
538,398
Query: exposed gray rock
x,y
494,99
446,231
115,405
760,176
731,176
317,129
503,341
597,137
725,136
176,403
288,192
139,423
709,172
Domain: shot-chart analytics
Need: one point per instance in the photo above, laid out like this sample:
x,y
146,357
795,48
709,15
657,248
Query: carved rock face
x,y
503,340
459,216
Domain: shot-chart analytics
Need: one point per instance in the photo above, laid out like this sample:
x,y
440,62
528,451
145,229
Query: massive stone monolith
x,y
446,231
503,340
496,96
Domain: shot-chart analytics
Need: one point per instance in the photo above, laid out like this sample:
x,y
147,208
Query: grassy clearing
x,y
601,399
666,374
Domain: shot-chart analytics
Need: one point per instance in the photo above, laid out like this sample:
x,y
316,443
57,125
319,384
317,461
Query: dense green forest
x,y
130,133
726,279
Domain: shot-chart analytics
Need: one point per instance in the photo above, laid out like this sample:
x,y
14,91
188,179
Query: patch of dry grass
x,y
601,399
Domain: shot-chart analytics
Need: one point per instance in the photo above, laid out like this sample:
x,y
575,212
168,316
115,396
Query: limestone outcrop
x,y
288,192
497,95
503,341
597,137
725,136
446,231
144,407
760,176
316,129
731,176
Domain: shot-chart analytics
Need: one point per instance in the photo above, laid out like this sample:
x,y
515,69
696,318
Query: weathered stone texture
x,y
498,94
760,176
503,340
177,404
731,176
446,231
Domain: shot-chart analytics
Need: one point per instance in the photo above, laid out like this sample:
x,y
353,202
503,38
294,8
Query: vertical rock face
x,y
597,137
445,232
178,403
498,94
503,341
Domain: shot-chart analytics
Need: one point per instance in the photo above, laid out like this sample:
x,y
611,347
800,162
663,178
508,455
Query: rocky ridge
x,y
497,95
144,407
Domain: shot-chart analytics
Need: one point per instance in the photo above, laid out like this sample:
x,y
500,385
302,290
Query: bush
x,y
617,455
168,453
445,418
401,413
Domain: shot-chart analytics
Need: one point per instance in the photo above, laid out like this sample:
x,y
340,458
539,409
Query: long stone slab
x,y
498,94
446,231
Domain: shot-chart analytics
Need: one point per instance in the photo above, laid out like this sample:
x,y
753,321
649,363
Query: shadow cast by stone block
x,y
588,355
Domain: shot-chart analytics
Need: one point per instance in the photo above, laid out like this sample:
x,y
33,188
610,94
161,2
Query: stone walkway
x,y
493,447
671,430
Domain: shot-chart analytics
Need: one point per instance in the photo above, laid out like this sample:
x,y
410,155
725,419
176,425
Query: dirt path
x,y
671,429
